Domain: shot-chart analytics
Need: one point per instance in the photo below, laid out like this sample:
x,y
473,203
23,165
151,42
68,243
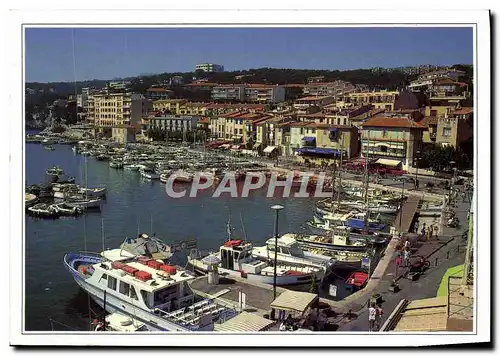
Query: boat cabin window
x,y
245,254
165,295
104,279
145,297
133,294
124,288
112,283
295,251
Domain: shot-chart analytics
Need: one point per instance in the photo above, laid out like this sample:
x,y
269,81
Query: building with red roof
x,y
393,140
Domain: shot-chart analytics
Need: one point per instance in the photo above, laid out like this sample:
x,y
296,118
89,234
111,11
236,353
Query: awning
x,y
244,322
294,301
269,149
225,146
257,145
388,162
334,129
320,151
235,147
309,139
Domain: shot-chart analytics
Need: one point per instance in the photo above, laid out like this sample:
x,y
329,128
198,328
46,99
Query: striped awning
x,y
244,322
269,149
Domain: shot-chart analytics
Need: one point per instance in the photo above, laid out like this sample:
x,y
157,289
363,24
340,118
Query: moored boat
x,y
66,209
43,210
147,290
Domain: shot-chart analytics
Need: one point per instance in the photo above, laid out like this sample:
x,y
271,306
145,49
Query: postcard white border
x,y
387,18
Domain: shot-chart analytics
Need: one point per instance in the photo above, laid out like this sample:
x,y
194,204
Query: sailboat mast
x,y
367,177
229,228
151,224
102,234
340,169
243,227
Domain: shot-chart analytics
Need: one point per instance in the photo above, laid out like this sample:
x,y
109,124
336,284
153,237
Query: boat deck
x,y
258,297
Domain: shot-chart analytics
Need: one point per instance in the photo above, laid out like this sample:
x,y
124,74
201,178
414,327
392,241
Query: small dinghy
x,y
43,210
66,209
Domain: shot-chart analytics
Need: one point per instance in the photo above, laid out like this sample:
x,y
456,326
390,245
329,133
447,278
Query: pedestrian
x,y
406,257
463,197
407,244
372,315
416,226
378,317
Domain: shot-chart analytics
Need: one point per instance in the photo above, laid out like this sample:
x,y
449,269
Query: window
x,y
446,131
433,112
384,133
383,149
112,283
145,298
124,288
104,279
133,295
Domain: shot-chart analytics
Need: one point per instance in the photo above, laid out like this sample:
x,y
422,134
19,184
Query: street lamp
x,y
277,209
417,159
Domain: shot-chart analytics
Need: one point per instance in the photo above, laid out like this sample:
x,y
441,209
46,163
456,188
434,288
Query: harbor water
x,y
132,205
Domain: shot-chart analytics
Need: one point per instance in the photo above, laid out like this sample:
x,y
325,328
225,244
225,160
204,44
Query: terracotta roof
x,y
314,98
463,111
172,101
429,120
396,122
196,104
200,85
204,120
294,85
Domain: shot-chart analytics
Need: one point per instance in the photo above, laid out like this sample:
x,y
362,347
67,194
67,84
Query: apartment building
x,y
428,79
120,85
170,123
228,92
171,106
302,104
393,141
320,143
383,99
328,89
112,109
123,134
261,93
158,94
209,67
455,128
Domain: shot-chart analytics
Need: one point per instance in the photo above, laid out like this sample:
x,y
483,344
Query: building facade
x,y
158,94
328,89
170,106
210,67
114,109
170,123
378,99
259,93
455,128
230,92
393,140
123,134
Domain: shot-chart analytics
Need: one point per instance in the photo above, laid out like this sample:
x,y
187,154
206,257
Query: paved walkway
x,y
445,252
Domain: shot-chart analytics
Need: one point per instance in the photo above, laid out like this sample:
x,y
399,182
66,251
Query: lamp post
x,y
417,159
277,209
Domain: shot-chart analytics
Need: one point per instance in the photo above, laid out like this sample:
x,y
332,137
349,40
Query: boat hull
x,y
281,280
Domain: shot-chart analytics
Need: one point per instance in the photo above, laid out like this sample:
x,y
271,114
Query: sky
x,y
66,54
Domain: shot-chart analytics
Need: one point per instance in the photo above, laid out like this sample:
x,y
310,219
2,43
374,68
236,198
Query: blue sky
x,y
106,53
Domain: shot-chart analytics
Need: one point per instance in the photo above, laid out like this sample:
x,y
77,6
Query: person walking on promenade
x,y
372,315
378,317
406,257
416,227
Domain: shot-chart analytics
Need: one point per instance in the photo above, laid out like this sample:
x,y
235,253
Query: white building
x,y
261,93
173,122
210,67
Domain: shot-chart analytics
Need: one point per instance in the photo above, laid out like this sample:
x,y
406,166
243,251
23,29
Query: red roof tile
x,y
463,111
429,120
395,122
